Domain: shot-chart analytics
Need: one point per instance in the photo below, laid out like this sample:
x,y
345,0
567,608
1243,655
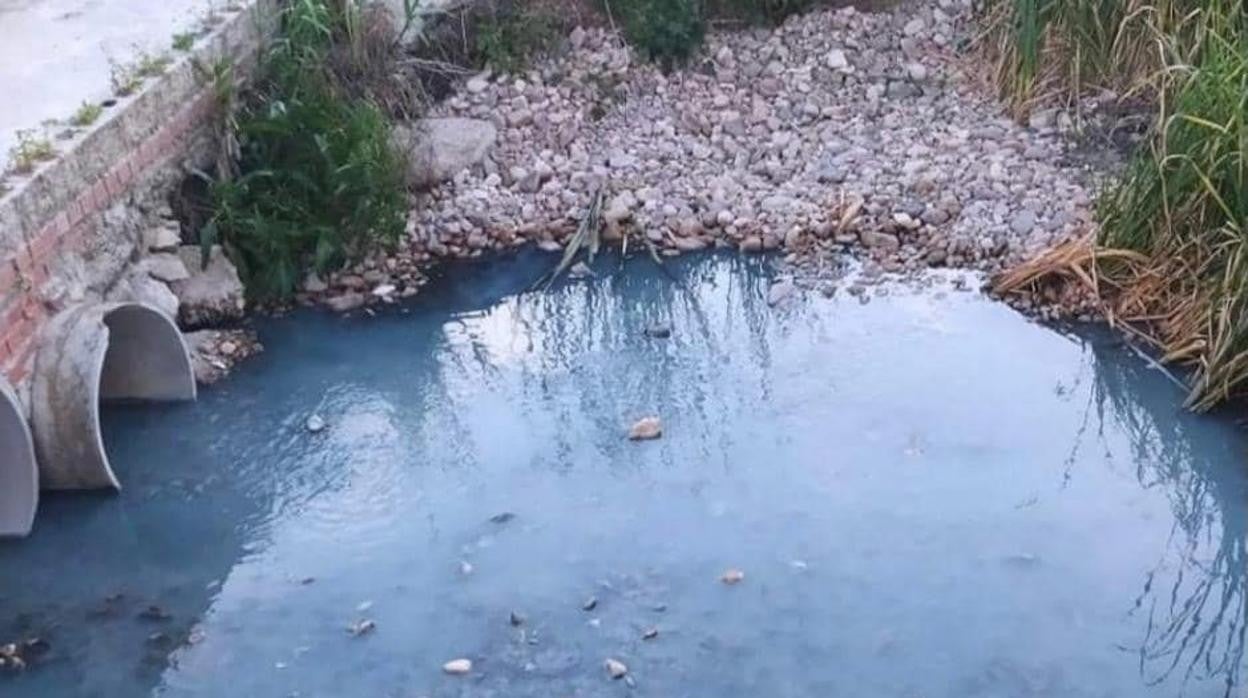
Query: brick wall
x,y
59,240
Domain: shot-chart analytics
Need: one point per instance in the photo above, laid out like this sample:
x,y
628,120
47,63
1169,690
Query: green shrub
x,y
507,40
666,31
318,184
771,11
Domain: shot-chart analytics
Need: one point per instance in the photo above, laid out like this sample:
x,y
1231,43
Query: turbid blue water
x,y
928,495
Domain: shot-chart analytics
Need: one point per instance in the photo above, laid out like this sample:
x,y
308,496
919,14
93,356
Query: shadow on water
x,y
240,535
1195,598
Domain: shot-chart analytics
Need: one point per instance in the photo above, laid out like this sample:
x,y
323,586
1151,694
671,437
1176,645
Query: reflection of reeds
x,y
1196,623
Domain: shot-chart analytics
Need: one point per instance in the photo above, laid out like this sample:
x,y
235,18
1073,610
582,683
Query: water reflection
x,y
898,480
1195,598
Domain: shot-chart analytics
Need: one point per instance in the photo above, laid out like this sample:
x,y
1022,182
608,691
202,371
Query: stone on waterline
x,y
212,295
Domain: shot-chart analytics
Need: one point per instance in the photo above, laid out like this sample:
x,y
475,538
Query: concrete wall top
x,y
53,220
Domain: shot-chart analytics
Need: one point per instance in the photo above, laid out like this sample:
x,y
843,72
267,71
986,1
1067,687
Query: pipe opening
x,y
19,476
90,353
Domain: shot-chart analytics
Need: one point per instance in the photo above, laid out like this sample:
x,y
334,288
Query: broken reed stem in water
x,y
587,235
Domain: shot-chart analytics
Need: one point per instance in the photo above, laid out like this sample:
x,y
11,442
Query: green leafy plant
x,y
86,114
507,40
318,183
31,149
772,11
183,41
666,31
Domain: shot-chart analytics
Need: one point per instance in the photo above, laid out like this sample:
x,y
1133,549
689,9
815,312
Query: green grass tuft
x,y
86,114
318,183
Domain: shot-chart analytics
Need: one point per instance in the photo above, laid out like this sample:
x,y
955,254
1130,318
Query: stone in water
x,y
458,667
615,668
362,627
315,424
646,428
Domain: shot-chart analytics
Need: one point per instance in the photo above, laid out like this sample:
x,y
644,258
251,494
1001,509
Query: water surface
x,y
929,496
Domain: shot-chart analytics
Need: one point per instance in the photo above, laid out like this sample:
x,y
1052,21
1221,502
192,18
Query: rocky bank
x,y
839,131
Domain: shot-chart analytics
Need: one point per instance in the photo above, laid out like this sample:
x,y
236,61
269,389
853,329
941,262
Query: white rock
x,y
166,267
439,148
615,668
457,667
836,59
212,295
646,428
162,238
315,424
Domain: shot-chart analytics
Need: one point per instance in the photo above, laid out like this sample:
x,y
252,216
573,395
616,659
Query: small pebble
x,y
646,428
362,627
315,424
615,668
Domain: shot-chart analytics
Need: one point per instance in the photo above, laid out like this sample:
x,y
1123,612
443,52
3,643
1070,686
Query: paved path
x,y
54,54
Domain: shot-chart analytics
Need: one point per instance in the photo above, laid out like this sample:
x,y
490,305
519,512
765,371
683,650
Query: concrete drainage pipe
x,y
19,477
94,352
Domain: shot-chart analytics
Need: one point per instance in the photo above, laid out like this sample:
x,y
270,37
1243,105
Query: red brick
x,y
19,333
40,274
45,245
8,276
99,195
58,226
20,361
82,205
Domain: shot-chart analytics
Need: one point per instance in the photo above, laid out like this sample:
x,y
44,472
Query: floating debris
x,y
659,330
315,424
590,604
732,576
362,627
650,634
515,619
457,667
503,517
465,568
646,428
155,614
615,668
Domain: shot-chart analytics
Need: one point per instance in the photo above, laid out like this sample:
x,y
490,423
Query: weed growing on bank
x,y
318,183
1170,258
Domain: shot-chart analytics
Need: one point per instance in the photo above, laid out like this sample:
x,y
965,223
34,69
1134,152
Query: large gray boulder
x,y
438,149
213,295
